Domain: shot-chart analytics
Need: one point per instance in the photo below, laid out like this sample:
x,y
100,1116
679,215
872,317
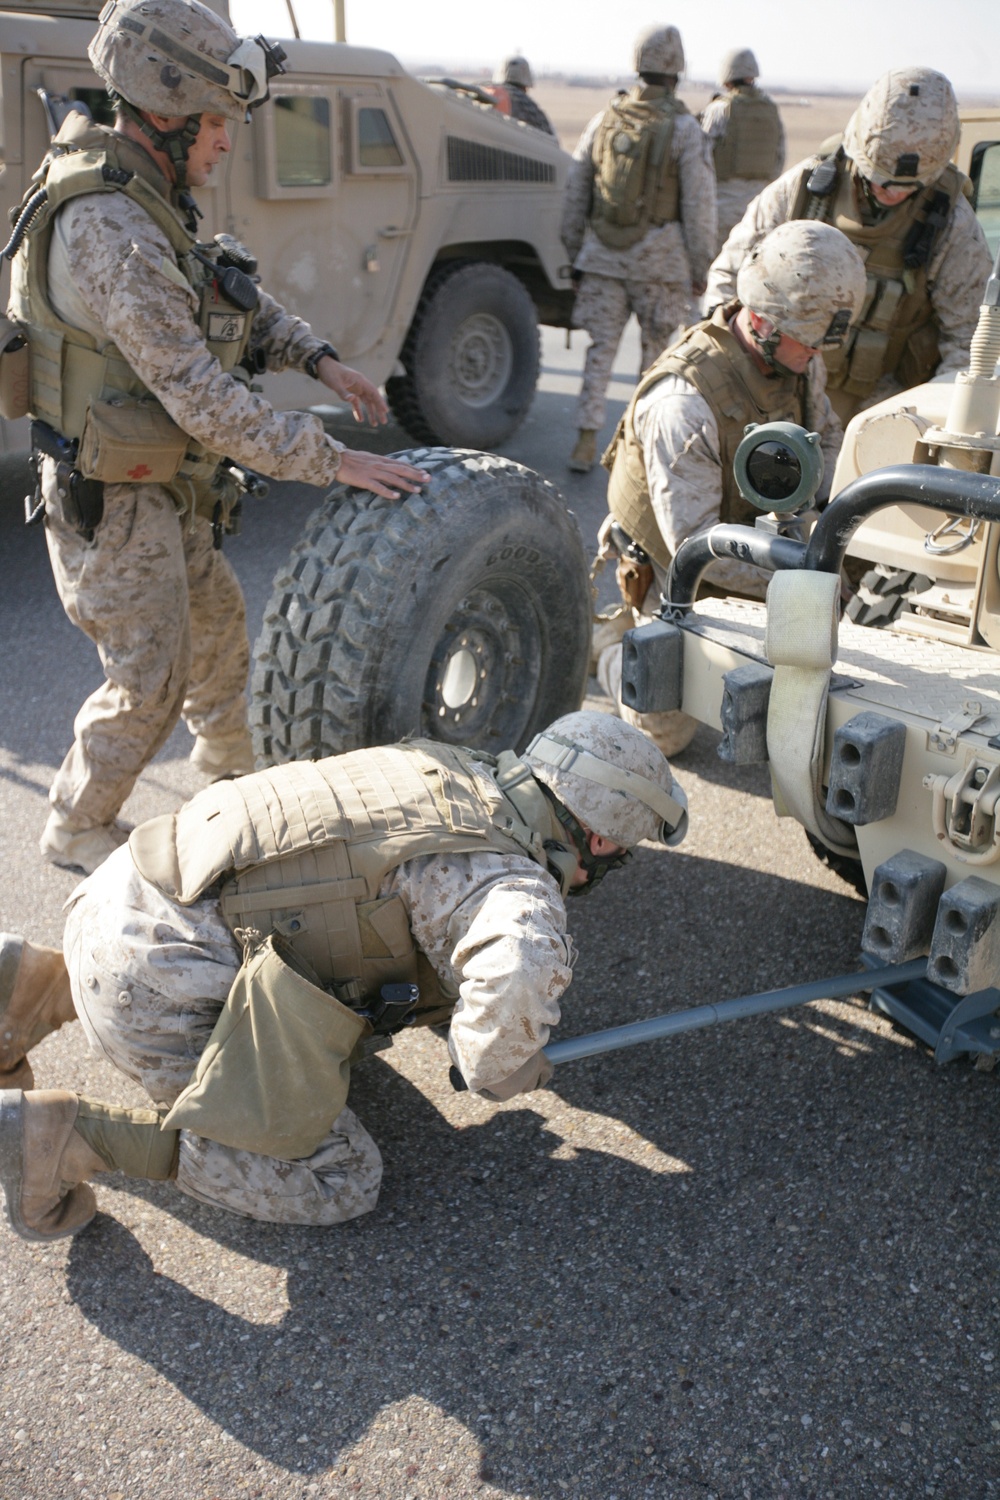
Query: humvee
x,y
412,224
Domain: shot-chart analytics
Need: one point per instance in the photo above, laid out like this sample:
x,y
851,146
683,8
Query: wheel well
x,y
554,304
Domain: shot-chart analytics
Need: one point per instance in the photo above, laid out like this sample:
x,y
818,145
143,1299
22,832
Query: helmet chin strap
x,y
768,348
596,866
878,210
175,144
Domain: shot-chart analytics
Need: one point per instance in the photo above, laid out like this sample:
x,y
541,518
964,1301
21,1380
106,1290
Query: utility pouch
x,y
15,371
275,1073
866,362
127,440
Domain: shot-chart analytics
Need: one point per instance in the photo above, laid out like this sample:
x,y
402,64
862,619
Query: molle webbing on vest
x,y
750,143
70,369
711,359
635,186
303,851
896,333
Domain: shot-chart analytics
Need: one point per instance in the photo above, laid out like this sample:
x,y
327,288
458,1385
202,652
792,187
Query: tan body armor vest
x,y
82,386
750,143
302,850
897,332
636,185
710,358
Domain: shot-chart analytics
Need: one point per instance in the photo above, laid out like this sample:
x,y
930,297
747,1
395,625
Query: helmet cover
x,y
611,777
659,49
807,279
516,70
739,63
906,128
177,57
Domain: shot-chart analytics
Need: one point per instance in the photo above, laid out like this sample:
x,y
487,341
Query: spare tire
x,y
461,614
471,357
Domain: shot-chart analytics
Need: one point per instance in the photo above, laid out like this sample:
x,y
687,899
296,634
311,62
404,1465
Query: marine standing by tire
x,y
890,187
143,340
748,138
638,223
755,360
441,869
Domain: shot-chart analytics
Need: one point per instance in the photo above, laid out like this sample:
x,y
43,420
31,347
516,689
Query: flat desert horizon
x,y
809,118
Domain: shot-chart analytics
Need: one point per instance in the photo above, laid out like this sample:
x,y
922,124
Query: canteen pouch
x,y
275,1073
127,440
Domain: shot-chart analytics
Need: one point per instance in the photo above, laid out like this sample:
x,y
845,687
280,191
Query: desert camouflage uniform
x,y
956,272
150,977
682,455
165,612
652,278
733,195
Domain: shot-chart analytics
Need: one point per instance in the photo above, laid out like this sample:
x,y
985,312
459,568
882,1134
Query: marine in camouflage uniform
x,y
656,276
890,187
756,360
111,270
493,849
511,81
747,136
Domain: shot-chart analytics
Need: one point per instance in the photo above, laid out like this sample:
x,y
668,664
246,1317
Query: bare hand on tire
x,y
366,400
375,472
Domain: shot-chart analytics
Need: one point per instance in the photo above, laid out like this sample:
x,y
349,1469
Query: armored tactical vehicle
x,y
412,224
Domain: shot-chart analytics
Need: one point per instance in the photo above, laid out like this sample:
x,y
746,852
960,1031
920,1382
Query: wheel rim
x,y
480,360
481,682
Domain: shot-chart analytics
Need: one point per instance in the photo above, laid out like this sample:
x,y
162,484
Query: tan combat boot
x,y
80,850
34,1000
584,455
44,1164
224,758
52,1141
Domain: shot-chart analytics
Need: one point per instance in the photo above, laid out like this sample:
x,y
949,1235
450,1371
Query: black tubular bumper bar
x,y
956,491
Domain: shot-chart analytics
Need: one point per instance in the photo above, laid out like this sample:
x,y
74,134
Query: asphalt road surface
x,y
756,1261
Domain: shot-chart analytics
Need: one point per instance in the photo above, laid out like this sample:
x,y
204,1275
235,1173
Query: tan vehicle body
x,y
884,743
351,186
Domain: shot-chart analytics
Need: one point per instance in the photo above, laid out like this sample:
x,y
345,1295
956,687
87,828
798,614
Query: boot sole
x,y
11,948
11,1170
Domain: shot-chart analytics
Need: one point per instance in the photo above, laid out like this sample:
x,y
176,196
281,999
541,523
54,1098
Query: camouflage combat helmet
x,y
905,129
515,70
739,63
659,49
610,777
807,279
178,58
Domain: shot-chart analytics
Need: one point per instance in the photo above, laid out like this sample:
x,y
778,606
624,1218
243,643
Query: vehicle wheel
x,y
460,614
849,870
882,595
471,358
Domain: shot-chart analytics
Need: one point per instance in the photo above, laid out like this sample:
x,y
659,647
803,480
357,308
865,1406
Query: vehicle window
x,y
302,141
985,173
96,99
376,142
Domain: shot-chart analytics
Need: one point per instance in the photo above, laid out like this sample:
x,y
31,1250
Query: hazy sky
x,y
798,42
